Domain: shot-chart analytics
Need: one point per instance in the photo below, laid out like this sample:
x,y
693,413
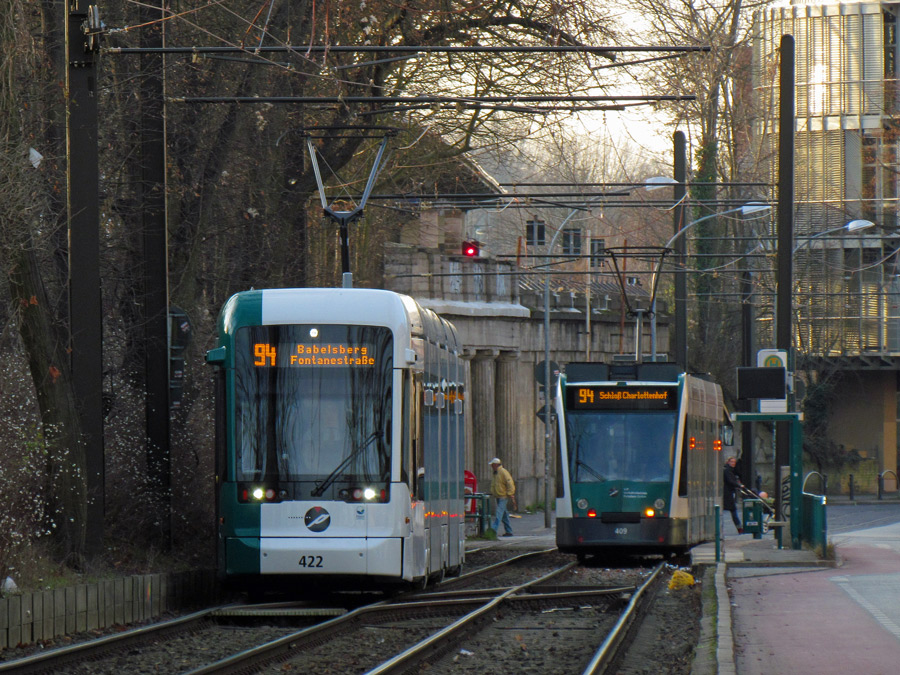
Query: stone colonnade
x,y
494,430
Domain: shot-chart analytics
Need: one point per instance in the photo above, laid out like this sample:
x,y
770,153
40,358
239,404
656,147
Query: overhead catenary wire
x,y
407,49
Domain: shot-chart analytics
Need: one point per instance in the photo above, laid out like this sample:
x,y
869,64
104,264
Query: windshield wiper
x,y
320,489
596,475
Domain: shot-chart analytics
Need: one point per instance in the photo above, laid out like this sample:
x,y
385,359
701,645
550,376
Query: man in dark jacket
x,y
732,483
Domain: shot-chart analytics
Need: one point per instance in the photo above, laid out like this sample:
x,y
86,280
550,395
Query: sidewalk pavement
x,y
738,551
791,611
529,529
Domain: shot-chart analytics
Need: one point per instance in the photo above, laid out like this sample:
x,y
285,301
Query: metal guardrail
x,y
482,515
881,481
823,479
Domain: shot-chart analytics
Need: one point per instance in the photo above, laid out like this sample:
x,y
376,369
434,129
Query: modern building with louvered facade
x,y
847,170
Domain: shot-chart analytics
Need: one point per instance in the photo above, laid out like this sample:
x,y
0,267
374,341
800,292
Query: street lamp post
x,y
548,395
853,226
745,210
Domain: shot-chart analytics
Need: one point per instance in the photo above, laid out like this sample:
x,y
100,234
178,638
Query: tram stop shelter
x,y
805,518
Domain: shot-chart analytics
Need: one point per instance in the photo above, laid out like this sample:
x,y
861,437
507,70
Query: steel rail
x,y
462,579
244,661
54,659
610,649
555,591
440,640
250,660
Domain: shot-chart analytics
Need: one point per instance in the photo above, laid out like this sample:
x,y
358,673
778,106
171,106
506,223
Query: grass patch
x,y
489,534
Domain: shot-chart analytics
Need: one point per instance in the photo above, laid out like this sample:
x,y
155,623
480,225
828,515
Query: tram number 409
x,y
621,530
311,561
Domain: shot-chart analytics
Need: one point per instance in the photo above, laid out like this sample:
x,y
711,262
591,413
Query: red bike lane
x,y
819,621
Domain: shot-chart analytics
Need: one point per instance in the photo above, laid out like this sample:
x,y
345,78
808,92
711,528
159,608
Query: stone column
x,y
484,426
506,399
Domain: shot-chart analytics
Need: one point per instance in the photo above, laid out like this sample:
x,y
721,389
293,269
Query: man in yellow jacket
x,y
503,488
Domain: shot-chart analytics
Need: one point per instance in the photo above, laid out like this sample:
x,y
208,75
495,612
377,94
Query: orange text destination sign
x,y
267,355
592,397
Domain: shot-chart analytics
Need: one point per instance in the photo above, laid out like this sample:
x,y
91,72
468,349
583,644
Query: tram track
x,y
228,625
506,605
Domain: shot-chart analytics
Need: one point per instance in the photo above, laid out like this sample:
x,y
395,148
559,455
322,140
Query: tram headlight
x,y
369,494
254,494
582,503
649,512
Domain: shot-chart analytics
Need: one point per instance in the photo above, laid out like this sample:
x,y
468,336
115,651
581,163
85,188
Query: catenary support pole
x,y
154,305
784,279
680,176
85,309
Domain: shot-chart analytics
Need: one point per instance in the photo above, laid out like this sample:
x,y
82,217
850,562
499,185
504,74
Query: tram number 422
x,y
311,561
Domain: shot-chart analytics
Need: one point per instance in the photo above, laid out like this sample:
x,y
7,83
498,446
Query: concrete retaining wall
x,y
44,615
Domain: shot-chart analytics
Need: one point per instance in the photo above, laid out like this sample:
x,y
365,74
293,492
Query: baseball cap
x,y
496,460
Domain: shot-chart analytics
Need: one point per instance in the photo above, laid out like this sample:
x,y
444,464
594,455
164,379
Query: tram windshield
x,y
313,406
633,446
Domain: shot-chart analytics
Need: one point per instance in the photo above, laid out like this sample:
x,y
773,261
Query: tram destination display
x,y
592,397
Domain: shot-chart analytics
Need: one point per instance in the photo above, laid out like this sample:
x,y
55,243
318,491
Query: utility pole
x,y
680,176
748,350
783,328
155,292
83,201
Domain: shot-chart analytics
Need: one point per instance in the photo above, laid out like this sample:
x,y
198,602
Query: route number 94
x,y
311,561
621,530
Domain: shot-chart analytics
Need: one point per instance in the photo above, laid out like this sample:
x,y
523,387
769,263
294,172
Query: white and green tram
x,y
340,440
640,458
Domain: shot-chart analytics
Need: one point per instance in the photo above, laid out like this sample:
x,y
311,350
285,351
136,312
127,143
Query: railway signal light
x,y
471,248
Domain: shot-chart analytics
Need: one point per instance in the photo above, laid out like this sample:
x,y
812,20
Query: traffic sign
x,y
773,358
540,372
542,415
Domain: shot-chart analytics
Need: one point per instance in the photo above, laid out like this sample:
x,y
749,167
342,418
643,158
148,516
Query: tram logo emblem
x,y
317,519
614,492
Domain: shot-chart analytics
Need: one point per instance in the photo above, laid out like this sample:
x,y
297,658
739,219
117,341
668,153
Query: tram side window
x,y
406,463
683,469
416,449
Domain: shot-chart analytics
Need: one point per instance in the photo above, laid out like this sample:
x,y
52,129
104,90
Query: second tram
x,y
640,461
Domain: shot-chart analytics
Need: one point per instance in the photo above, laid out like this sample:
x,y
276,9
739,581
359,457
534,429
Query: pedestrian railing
x,y
881,482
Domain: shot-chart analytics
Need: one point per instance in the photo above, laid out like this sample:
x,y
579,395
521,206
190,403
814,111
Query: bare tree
x,y
719,121
27,220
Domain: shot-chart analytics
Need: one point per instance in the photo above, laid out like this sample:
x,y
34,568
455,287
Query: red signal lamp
x,y
471,248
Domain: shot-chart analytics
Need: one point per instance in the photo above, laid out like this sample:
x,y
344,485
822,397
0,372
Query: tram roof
x,y
622,372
